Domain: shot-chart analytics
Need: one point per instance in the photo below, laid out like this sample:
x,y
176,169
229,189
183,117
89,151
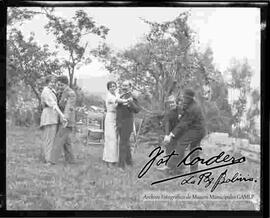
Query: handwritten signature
x,y
205,176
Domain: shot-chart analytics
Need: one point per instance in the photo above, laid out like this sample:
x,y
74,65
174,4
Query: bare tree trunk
x,y
71,78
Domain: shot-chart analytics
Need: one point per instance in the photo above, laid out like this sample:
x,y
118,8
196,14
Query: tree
x,y
253,115
165,63
17,15
164,56
28,62
70,33
240,81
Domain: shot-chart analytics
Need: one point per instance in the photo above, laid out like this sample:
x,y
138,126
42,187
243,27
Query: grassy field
x,y
90,185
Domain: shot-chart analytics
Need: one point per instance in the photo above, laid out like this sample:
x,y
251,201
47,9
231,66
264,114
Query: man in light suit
x,y
49,118
67,104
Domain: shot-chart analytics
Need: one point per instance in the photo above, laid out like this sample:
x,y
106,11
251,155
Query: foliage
x,y
70,33
250,130
22,107
165,63
18,15
240,80
28,62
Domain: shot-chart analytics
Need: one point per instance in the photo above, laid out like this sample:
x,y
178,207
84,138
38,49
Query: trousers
x,y
123,134
193,139
62,143
48,137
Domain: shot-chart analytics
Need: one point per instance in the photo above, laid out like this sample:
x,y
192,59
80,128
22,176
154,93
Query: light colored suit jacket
x,y
68,104
49,101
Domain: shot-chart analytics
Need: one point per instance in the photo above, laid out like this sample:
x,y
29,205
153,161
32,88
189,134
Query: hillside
x,y
94,85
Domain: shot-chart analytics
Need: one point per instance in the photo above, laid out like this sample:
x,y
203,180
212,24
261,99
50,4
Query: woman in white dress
x,y
111,150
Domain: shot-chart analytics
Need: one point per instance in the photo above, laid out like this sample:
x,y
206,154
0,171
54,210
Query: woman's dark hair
x,y
109,84
63,79
48,79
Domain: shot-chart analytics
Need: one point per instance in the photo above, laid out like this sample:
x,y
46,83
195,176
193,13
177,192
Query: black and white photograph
x,y
133,108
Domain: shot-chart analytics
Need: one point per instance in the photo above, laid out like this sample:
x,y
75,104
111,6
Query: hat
x,y
170,98
189,93
63,79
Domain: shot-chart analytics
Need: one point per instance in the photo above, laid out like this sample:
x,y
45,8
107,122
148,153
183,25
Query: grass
x,y
90,185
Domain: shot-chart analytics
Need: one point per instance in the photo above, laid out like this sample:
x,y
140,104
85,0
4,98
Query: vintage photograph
x,y
133,108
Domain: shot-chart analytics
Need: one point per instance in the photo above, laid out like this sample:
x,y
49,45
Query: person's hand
x,y
129,100
64,120
65,123
167,139
125,102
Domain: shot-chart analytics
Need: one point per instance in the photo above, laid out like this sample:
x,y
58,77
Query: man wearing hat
x,y
171,118
189,130
63,140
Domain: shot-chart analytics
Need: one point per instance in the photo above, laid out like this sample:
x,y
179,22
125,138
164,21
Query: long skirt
x,y
111,149
48,136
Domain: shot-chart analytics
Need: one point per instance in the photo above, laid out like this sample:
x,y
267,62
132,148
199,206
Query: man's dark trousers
x,y
63,143
124,132
190,137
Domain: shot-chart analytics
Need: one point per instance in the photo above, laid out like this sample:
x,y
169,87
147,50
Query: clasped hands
x,y
64,120
168,138
127,101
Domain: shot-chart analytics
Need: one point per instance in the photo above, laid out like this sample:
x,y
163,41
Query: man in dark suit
x,y
67,104
190,130
171,116
124,123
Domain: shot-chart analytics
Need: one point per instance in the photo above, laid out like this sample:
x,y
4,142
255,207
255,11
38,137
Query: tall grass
x,y
90,185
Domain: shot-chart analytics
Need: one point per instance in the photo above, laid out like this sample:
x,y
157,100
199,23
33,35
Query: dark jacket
x,y
170,120
125,112
68,104
192,119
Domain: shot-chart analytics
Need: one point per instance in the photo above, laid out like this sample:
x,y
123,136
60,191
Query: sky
x,y
230,32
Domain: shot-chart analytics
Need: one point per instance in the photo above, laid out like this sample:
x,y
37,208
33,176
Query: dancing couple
x,y
57,119
120,109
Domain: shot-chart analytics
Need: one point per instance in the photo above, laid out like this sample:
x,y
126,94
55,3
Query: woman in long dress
x,y
111,150
49,118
